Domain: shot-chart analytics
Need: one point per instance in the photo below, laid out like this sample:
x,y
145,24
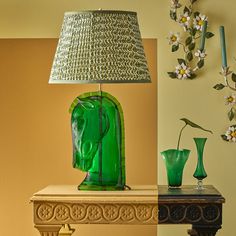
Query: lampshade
x,y
100,47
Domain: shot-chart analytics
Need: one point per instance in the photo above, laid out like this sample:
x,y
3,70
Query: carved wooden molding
x,y
76,213
190,213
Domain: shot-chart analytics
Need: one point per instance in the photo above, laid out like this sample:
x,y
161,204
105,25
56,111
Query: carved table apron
x,y
200,208
55,206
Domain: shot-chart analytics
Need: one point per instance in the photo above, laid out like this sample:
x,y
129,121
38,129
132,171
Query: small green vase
x,y
200,172
175,161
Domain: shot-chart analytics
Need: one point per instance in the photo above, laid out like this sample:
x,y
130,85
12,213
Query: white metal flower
x,y
198,21
174,38
231,134
200,54
184,20
230,99
175,4
182,71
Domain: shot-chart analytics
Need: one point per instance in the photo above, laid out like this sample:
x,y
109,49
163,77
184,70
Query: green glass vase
x,y
98,141
175,161
200,172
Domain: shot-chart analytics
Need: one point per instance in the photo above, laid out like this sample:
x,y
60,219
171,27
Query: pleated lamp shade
x,y
100,47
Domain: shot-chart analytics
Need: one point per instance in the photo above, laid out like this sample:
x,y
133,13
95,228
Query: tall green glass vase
x,y
175,161
200,172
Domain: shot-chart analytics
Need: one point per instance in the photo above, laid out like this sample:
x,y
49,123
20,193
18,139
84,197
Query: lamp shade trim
x,y
101,11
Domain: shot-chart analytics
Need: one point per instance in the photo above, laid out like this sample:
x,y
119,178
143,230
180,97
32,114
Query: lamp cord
x,y
100,143
100,89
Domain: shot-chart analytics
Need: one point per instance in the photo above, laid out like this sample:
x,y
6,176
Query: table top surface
x,y
72,190
189,193
188,190
143,193
71,193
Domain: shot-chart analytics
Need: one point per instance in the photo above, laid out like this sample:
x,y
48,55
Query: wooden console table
x,y
202,209
55,206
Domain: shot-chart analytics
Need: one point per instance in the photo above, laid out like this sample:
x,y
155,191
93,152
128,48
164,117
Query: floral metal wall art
x,y
230,134
194,25
229,82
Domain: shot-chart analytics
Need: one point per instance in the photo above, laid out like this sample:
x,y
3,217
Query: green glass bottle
x,y
98,141
200,172
175,161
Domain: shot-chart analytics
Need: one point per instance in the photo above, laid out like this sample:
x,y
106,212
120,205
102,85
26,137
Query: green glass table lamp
x,y
99,47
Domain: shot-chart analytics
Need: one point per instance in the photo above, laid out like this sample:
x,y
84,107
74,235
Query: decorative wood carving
x,y
190,213
203,210
56,212
57,206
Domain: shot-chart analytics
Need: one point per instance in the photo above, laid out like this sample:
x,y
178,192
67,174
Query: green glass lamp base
x,y
88,186
98,141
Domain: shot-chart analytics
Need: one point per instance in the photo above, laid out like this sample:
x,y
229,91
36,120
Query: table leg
x,y
199,230
48,230
66,230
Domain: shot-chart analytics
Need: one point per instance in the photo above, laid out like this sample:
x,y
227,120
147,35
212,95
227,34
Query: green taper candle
x,y
203,36
223,47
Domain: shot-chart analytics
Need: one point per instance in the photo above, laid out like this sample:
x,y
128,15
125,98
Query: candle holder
x,y
230,83
194,25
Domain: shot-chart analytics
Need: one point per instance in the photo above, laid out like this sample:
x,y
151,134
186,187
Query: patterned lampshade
x,y
100,47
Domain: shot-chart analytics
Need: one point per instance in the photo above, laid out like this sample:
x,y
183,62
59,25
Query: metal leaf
x,y
191,46
190,56
231,114
194,125
200,64
174,48
233,77
219,86
172,75
173,15
224,137
180,60
188,40
209,35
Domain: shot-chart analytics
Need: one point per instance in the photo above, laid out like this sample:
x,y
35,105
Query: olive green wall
x,y
193,99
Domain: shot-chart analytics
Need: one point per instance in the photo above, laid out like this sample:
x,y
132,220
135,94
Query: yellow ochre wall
x,y
176,99
35,141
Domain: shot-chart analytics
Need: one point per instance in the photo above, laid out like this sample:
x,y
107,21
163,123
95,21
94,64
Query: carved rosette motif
x,y
177,213
94,213
110,212
78,212
163,213
45,212
192,213
54,212
127,213
211,213
143,212
61,212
